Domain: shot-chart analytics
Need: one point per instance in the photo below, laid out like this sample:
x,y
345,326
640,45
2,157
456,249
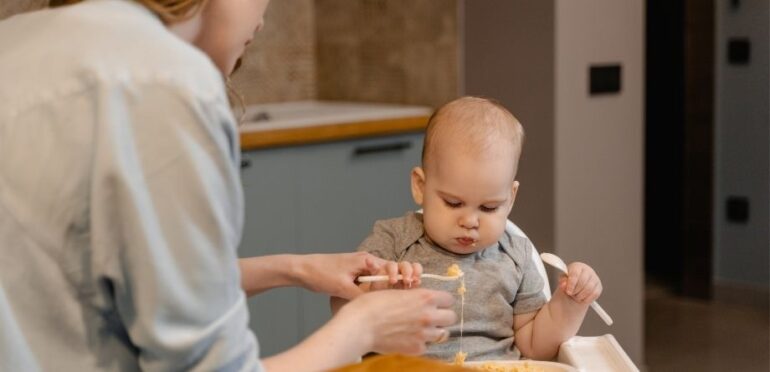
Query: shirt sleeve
x,y
381,242
167,215
530,296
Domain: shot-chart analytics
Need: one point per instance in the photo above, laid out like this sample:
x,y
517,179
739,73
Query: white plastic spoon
x,y
382,278
556,262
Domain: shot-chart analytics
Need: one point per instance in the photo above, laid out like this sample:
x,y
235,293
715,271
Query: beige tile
x,y
280,64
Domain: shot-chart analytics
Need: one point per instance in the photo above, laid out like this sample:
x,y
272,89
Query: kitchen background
x,y
658,177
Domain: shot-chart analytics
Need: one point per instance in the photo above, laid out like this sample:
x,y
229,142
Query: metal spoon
x,y
556,262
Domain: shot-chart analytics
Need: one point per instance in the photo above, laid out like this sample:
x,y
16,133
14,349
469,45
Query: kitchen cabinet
x,y
321,198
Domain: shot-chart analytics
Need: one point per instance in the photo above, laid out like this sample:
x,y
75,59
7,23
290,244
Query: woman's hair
x,y
169,11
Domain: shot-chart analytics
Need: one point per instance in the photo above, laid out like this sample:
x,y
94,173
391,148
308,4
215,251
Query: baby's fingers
x,y
574,279
589,293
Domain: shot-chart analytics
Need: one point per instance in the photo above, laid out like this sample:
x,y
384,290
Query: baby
x,y
466,187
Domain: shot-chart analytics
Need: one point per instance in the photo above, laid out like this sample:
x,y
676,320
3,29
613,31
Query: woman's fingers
x,y
416,274
406,272
404,321
391,269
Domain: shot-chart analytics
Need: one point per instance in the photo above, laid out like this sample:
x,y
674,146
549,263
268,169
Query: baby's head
x,y
466,185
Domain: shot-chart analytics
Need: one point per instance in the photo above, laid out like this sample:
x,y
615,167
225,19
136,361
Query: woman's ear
x,y
418,185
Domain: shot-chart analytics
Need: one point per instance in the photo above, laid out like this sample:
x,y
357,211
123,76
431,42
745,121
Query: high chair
x,y
601,353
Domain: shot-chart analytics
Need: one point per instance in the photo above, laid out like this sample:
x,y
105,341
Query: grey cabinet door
x,y
270,227
344,188
318,199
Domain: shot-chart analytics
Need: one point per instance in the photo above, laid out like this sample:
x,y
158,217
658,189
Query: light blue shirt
x,y
120,200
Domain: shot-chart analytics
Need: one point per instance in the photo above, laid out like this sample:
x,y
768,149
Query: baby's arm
x,y
538,334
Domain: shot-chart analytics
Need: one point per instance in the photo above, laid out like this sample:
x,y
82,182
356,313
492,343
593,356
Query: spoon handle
x,y
376,278
383,278
557,263
602,314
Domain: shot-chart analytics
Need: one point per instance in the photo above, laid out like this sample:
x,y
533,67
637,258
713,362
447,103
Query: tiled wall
x,y
400,51
11,7
279,65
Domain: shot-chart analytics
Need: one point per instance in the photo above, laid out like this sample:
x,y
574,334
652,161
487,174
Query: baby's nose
x,y
469,221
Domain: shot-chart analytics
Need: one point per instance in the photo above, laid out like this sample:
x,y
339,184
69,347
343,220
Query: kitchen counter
x,y
306,122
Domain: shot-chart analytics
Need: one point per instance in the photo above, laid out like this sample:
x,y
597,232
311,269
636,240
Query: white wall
x,y
581,172
742,252
599,157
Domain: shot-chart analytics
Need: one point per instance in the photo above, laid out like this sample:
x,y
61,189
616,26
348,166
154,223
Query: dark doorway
x,y
679,145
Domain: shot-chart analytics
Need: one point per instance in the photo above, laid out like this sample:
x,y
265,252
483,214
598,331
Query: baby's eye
x,y
488,209
452,204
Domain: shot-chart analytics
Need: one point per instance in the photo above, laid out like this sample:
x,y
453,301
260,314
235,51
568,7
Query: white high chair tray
x,y
601,353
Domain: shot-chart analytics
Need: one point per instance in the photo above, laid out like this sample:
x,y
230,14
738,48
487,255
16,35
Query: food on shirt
x,y
454,270
461,289
460,358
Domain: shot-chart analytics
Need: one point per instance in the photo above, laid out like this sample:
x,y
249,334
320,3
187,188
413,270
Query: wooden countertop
x,y
251,140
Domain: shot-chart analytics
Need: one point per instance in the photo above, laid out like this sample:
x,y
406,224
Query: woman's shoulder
x,y
100,42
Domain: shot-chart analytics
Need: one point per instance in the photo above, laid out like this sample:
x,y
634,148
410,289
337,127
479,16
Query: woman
x,y
121,207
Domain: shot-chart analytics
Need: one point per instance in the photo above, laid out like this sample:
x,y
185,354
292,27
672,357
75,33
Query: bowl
x,y
519,366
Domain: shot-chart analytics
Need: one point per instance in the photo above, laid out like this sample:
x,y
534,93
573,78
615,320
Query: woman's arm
x,y
388,321
333,274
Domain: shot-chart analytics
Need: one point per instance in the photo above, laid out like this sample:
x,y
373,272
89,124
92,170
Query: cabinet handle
x,y
245,163
385,147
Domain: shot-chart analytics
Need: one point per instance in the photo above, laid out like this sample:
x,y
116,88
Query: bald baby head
x,y
472,126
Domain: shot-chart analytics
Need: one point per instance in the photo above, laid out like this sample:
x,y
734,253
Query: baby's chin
x,y
457,247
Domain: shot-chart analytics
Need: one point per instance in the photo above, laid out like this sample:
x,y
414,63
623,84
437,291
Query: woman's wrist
x,y
342,340
299,269
259,274
359,324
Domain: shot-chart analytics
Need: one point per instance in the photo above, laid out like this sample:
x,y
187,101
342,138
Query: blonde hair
x,y
170,11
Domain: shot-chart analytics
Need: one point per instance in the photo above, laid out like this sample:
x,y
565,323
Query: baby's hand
x,y
410,271
581,284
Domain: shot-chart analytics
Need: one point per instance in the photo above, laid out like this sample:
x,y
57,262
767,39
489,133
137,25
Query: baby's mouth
x,y
466,241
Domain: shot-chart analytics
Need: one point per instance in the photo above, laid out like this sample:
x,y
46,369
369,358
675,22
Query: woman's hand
x,y
335,274
388,321
402,321
582,284
410,273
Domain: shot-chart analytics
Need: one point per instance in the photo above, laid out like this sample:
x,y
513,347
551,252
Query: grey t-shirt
x,y
501,280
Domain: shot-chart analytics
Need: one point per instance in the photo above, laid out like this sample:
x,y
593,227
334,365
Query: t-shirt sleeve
x,y
382,241
530,296
167,214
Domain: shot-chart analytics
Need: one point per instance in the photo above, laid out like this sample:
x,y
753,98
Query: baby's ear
x,y
514,191
418,185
